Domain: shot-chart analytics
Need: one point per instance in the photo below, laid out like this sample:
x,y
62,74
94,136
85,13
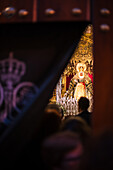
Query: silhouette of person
x,y
62,151
79,126
83,105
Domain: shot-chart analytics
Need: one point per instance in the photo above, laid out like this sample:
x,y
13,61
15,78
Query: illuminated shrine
x,y
77,78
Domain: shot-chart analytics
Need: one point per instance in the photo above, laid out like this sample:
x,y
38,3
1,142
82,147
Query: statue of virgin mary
x,y
80,84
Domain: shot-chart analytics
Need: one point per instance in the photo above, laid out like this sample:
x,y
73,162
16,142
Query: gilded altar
x,y
79,74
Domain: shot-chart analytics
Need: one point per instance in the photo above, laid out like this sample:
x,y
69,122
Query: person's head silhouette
x,y
83,104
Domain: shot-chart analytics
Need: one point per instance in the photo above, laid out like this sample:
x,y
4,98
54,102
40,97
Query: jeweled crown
x,y
11,69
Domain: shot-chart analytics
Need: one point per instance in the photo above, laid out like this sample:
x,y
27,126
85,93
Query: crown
x,y
11,70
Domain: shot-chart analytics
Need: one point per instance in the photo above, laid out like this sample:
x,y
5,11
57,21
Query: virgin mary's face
x,y
81,75
81,72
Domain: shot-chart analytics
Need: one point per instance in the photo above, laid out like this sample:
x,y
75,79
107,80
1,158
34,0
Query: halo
x,y
81,65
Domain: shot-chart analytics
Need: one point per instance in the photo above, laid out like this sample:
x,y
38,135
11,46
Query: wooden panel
x,y
63,10
103,66
17,5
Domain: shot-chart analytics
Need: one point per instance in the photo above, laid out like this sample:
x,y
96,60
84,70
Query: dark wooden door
x,y
44,53
103,64
57,10
17,11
